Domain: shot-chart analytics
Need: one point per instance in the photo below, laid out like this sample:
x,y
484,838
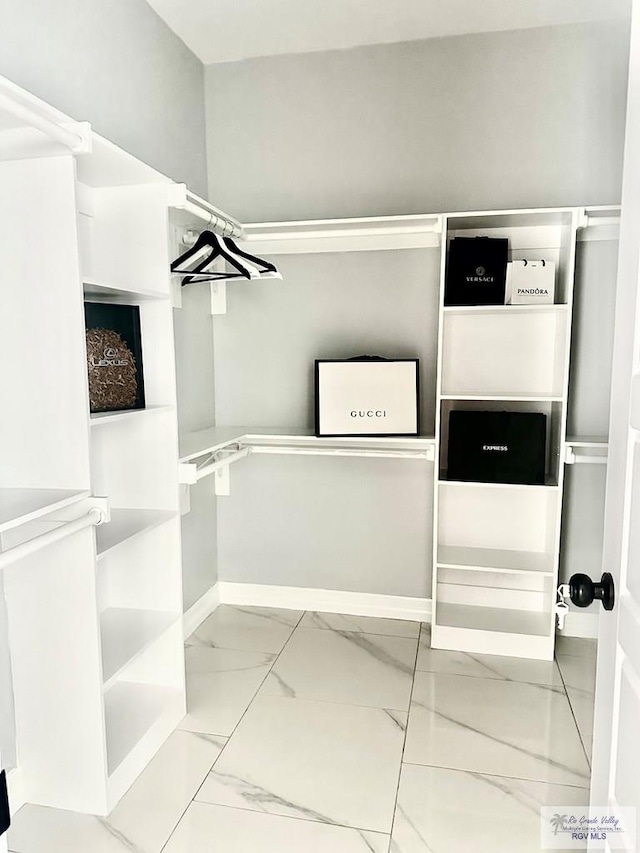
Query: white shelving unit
x,y
496,546
94,618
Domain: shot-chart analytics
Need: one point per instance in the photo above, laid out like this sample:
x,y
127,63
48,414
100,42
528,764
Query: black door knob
x,y
583,591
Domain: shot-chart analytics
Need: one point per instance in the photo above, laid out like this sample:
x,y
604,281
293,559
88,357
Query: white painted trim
x,y
16,787
340,601
326,600
579,624
199,611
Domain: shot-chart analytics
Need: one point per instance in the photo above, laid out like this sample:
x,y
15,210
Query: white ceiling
x,y
227,30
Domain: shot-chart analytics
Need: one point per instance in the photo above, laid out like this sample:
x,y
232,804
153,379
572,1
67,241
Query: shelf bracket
x,y
218,297
218,464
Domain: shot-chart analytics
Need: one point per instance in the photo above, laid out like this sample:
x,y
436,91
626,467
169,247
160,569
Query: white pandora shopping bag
x,y
531,282
366,396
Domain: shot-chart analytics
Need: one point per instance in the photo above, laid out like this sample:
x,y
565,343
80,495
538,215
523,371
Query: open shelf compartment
x,y
142,707
126,524
547,234
475,347
126,633
131,710
494,619
552,409
497,560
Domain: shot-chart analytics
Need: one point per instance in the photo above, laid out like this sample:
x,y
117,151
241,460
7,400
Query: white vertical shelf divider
x,y
496,546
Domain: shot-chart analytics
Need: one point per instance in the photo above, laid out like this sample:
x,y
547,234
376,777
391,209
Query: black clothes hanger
x,y
208,246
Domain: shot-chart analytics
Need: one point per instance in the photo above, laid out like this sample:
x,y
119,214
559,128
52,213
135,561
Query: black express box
x,y
497,447
114,357
476,271
365,396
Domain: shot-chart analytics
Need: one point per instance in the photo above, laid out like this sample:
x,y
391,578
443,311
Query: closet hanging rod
x,y
291,450
213,218
215,221
93,517
74,140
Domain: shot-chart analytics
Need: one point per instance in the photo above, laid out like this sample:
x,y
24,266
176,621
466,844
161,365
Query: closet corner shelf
x,y
100,418
111,292
20,506
126,633
214,439
126,524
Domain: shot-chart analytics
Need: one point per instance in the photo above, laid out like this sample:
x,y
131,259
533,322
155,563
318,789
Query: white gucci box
x,y
366,396
531,282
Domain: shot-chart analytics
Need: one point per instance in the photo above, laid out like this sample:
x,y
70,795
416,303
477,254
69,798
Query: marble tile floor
x,y
321,733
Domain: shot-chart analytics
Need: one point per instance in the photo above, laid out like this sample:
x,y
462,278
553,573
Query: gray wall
x,y
193,327
116,64
589,393
499,120
356,524
328,306
348,524
529,118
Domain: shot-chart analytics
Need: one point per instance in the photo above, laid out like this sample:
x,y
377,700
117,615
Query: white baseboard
x,y
326,600
15,786
199,611
340,601
577,624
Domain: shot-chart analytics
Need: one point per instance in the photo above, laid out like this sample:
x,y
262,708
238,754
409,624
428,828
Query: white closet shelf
x,y
587,449
595,441
100,418
110,292
556,308
211,440
496,619
191,210
506,397
131,710
126,633
110,166
20,506
495,560
493,220
443,481
125,524
345,235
